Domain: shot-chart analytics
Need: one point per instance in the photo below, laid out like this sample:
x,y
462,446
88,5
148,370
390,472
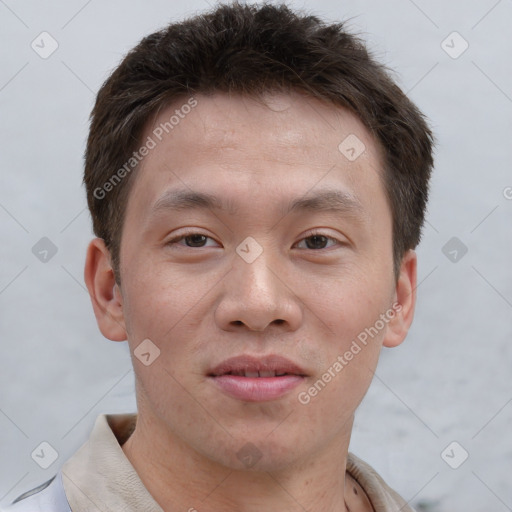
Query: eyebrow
x,y
336,201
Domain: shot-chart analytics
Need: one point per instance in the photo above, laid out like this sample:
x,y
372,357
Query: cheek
x,y
154,305
352,303
351,347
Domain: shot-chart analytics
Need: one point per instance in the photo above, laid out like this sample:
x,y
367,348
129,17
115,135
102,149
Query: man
x,y
257,185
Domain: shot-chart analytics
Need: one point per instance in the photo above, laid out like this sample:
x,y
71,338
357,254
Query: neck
x,y
179,478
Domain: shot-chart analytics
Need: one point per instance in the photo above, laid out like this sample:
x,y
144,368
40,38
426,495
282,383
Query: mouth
x,y
254,374
257,367
253,379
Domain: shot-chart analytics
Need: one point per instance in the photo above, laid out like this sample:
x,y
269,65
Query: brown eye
x,y
317,241
195,240
192,240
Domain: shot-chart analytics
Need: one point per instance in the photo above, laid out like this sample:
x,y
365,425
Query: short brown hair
x,y
250,50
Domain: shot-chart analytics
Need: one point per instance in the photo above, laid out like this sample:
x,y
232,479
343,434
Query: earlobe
x,y
405,300
104,292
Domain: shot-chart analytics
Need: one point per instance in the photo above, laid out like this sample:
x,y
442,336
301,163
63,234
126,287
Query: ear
x,y
405,300
105,294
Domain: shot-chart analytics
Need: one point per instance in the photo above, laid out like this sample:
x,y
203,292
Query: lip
x,y
257,364
257,389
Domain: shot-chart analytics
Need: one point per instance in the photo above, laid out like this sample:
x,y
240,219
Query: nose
x,y
258,295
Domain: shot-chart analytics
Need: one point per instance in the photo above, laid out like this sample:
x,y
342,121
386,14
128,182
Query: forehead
x,y
246,147
275,122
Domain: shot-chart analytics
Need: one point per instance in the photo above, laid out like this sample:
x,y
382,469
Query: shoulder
x,y
47,497
381,496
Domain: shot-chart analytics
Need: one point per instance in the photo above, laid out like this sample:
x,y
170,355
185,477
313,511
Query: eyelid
x,y
188,232
318,232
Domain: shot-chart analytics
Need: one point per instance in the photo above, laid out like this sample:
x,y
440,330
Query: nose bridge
x,y
257,279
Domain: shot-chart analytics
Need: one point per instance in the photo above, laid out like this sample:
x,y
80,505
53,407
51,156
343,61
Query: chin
x,y
259,454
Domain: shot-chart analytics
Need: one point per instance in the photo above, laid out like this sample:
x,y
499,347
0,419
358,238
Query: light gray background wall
x,y
450,381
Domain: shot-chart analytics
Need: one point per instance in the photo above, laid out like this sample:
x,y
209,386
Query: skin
x,y
201,303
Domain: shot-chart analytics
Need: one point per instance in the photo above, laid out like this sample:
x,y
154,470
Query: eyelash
x,y
175,240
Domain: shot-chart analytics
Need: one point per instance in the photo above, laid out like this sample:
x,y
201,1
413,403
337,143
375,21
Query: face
x,y
291,258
